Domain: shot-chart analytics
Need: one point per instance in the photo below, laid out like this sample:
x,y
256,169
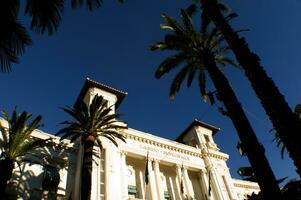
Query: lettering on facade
x,y
164,153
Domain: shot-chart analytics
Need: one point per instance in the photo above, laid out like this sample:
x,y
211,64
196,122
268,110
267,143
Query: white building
x,y
178,170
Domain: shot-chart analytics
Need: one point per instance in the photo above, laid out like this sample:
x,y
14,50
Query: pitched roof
x,y
90,84
197,123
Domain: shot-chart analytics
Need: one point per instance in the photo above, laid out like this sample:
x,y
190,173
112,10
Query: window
x,y
166,195
132,190
207,139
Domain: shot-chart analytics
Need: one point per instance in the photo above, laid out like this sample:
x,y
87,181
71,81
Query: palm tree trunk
x,y
279,112
87,168
253,149
6,172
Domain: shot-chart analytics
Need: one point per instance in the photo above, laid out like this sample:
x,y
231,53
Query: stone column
x,y
188,183
152,180
215,182
124,182
204,182
179,177
172,189
142,181
159,184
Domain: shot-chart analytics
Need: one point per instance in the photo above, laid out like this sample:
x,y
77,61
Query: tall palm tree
x,y
200,52
90,123
15,142
45,17
277,138
281,115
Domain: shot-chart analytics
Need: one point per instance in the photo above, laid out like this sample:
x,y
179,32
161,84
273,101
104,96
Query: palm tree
x,y
277,138
90,123
15,142
45,17
282,117
200,52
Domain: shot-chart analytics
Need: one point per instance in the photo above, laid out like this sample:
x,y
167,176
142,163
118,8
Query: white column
x,y
204,182
172,189
179,177
188,183
142,181
215,182
124,182
152,181
159,184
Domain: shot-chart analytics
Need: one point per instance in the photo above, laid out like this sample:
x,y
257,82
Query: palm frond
x,y
69,131
10,8
191,10
192,72
187,21
16,138
177,82
298,111
191,47
176,27
112,139
35,124
95,105
277,138
103,112
202,82
223,8
169,64
75,137
45,15
205,22
106,119
171,42
231,16
99,143
31,145
79,116
158,46
13,40
91,4
231,62
94,120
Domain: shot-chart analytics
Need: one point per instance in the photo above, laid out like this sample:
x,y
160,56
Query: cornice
x,y
170,147
161,145
246,186
217,156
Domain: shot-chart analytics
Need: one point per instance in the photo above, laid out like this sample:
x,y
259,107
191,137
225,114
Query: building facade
x,y
191,167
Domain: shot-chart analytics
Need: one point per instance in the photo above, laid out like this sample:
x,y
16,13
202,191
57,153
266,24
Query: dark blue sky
x,y
111,46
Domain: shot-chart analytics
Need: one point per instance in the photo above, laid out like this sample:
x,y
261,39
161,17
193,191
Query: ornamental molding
x,y
220,157
246,186
172,148
161,145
